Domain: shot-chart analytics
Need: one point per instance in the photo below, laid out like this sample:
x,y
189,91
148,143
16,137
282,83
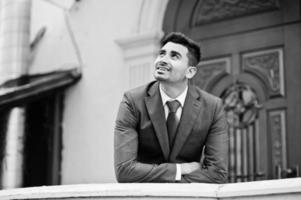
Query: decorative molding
x,y
140,44
241,105
269,63
277,127
139,53
209,69
211,11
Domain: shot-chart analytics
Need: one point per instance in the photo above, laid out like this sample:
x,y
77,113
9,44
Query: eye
x,y
175,55
161,53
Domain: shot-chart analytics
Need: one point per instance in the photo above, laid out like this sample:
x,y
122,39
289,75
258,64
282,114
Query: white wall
x,y
91,105
95,35
56,50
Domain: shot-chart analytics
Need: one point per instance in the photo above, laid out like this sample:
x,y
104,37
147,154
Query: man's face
x,y
172,65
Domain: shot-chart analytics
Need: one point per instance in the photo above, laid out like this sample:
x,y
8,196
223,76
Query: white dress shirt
x,y
181,98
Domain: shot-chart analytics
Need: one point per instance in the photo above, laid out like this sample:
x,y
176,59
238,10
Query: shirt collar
x,y
180,98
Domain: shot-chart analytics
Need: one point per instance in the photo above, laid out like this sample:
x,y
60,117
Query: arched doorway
x,y
250,52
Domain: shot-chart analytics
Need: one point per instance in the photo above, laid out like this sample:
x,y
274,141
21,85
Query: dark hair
x,y
194,51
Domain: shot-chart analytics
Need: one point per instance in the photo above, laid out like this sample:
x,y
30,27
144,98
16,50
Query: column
x,y
139,53
14,61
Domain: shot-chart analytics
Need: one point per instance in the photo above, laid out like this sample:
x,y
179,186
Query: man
x,y
163,127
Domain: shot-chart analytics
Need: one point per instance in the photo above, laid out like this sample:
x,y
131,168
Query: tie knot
x,y
173,105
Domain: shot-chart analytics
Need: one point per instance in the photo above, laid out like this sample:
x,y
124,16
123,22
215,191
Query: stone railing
x,y
271,189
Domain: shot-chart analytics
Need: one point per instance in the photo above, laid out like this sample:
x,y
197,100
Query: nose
x,y
163,60
162,63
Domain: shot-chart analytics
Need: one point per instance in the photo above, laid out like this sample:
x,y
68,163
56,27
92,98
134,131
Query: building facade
x,y
82,55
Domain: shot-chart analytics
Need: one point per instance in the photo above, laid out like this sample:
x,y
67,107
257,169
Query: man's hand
x,y
187,168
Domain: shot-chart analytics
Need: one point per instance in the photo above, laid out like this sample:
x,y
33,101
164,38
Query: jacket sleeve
x,y
214,168
127,168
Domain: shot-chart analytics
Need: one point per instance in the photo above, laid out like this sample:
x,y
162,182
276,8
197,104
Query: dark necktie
x,y
172,122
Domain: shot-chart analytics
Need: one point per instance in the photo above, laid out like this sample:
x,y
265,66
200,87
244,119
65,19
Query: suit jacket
x,y
141,146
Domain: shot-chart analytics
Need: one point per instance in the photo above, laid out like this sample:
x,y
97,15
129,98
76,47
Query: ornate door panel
x,y
251,58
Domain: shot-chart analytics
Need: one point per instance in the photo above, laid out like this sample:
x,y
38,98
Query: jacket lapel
x,y
156,112
190,113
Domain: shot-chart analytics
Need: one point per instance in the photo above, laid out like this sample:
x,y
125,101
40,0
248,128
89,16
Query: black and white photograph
x,y
150,99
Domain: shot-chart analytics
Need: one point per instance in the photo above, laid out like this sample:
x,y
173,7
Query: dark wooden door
x,y
251,58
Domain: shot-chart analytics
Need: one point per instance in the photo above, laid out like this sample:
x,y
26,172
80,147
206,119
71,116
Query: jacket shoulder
x,y
206,96
139,92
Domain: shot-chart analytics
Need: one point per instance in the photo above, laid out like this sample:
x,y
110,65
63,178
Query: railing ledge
x,y
257,190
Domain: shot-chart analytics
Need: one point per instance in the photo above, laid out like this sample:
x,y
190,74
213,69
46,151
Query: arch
x,y
151,16
177,16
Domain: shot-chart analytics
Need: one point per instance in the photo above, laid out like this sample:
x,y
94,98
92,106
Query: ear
x,y
191,71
